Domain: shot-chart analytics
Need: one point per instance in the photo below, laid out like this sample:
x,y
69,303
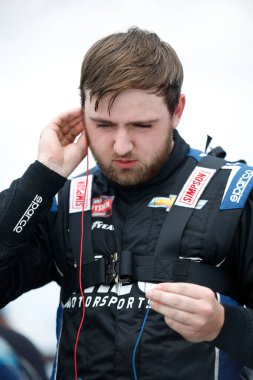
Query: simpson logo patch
x,y
163,202
194,187
77,193
102,206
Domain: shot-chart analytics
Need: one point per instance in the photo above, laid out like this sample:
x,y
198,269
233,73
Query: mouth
x,y
125,164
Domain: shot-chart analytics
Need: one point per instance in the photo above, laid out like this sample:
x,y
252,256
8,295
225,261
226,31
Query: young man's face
x,y
132,142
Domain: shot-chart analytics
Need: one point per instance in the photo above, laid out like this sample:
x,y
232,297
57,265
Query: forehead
x,y
132,102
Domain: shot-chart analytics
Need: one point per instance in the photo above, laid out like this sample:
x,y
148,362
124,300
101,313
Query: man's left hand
x,y
191,310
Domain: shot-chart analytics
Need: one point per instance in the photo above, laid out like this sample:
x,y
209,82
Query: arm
x,y
26,258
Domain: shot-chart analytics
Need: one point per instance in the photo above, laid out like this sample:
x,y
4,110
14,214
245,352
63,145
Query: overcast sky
x,y
42,45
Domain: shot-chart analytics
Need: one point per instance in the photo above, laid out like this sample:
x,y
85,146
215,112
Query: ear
x,y
179,111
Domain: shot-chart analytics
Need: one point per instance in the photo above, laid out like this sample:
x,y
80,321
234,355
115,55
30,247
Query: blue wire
x,y
137,342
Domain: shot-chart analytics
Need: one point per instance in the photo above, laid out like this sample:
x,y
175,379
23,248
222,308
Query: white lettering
x,y
73,302
240,186
34,205
104,299
118,295
101,225
88,301
141,299
96,301
113,300
130,302
121,303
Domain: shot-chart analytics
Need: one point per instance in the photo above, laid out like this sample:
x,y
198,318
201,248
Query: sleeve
x,y
236,336
26,257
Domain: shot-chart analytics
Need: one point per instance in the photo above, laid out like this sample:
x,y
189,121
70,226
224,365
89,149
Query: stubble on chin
x,y
142,173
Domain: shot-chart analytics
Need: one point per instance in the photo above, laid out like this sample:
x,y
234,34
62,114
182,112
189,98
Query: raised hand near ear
x,y
63,143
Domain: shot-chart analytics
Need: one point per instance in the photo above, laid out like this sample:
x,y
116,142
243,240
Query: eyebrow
x,y
101,120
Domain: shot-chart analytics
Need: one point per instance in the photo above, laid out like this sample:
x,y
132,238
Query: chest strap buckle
x,y
112,269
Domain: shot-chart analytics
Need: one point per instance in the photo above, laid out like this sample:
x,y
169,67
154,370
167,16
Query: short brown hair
x,y
137,59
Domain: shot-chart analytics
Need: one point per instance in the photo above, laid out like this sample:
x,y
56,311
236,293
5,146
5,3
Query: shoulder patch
x,y
80,187
194,187
239,186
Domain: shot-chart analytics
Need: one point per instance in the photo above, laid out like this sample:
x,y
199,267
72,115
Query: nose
x,y
122,142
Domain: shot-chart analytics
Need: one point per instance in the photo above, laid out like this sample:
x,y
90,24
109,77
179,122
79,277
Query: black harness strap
x,y
171,233
177,218
196,273
152,269
75,225
93,273
92,270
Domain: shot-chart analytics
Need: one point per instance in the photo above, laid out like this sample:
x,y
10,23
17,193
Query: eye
x,y
103,125
139,125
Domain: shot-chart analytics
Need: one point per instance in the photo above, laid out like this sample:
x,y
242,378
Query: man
x,y
155,224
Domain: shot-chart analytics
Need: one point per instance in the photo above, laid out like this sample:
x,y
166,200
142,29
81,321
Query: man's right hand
x,y
58,148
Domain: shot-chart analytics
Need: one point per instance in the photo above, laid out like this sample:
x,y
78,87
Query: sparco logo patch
x,y
241,185
28,214
80,187
194,187
102,206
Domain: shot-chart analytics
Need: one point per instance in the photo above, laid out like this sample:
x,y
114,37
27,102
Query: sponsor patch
x,y
102,206
29,212
163,202
78,191
100,225
239,187
194,187
201,203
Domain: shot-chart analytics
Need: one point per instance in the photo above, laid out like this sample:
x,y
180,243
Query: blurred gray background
x,y
42,45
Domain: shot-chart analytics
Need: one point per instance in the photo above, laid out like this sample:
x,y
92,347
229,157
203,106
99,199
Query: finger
x,y
67,119
183,316
67,126
173,314
75,128
173,300
187,331
69,135
186,289
82,144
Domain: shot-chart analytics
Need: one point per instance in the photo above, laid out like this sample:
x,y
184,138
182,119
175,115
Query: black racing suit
x,y
36,247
